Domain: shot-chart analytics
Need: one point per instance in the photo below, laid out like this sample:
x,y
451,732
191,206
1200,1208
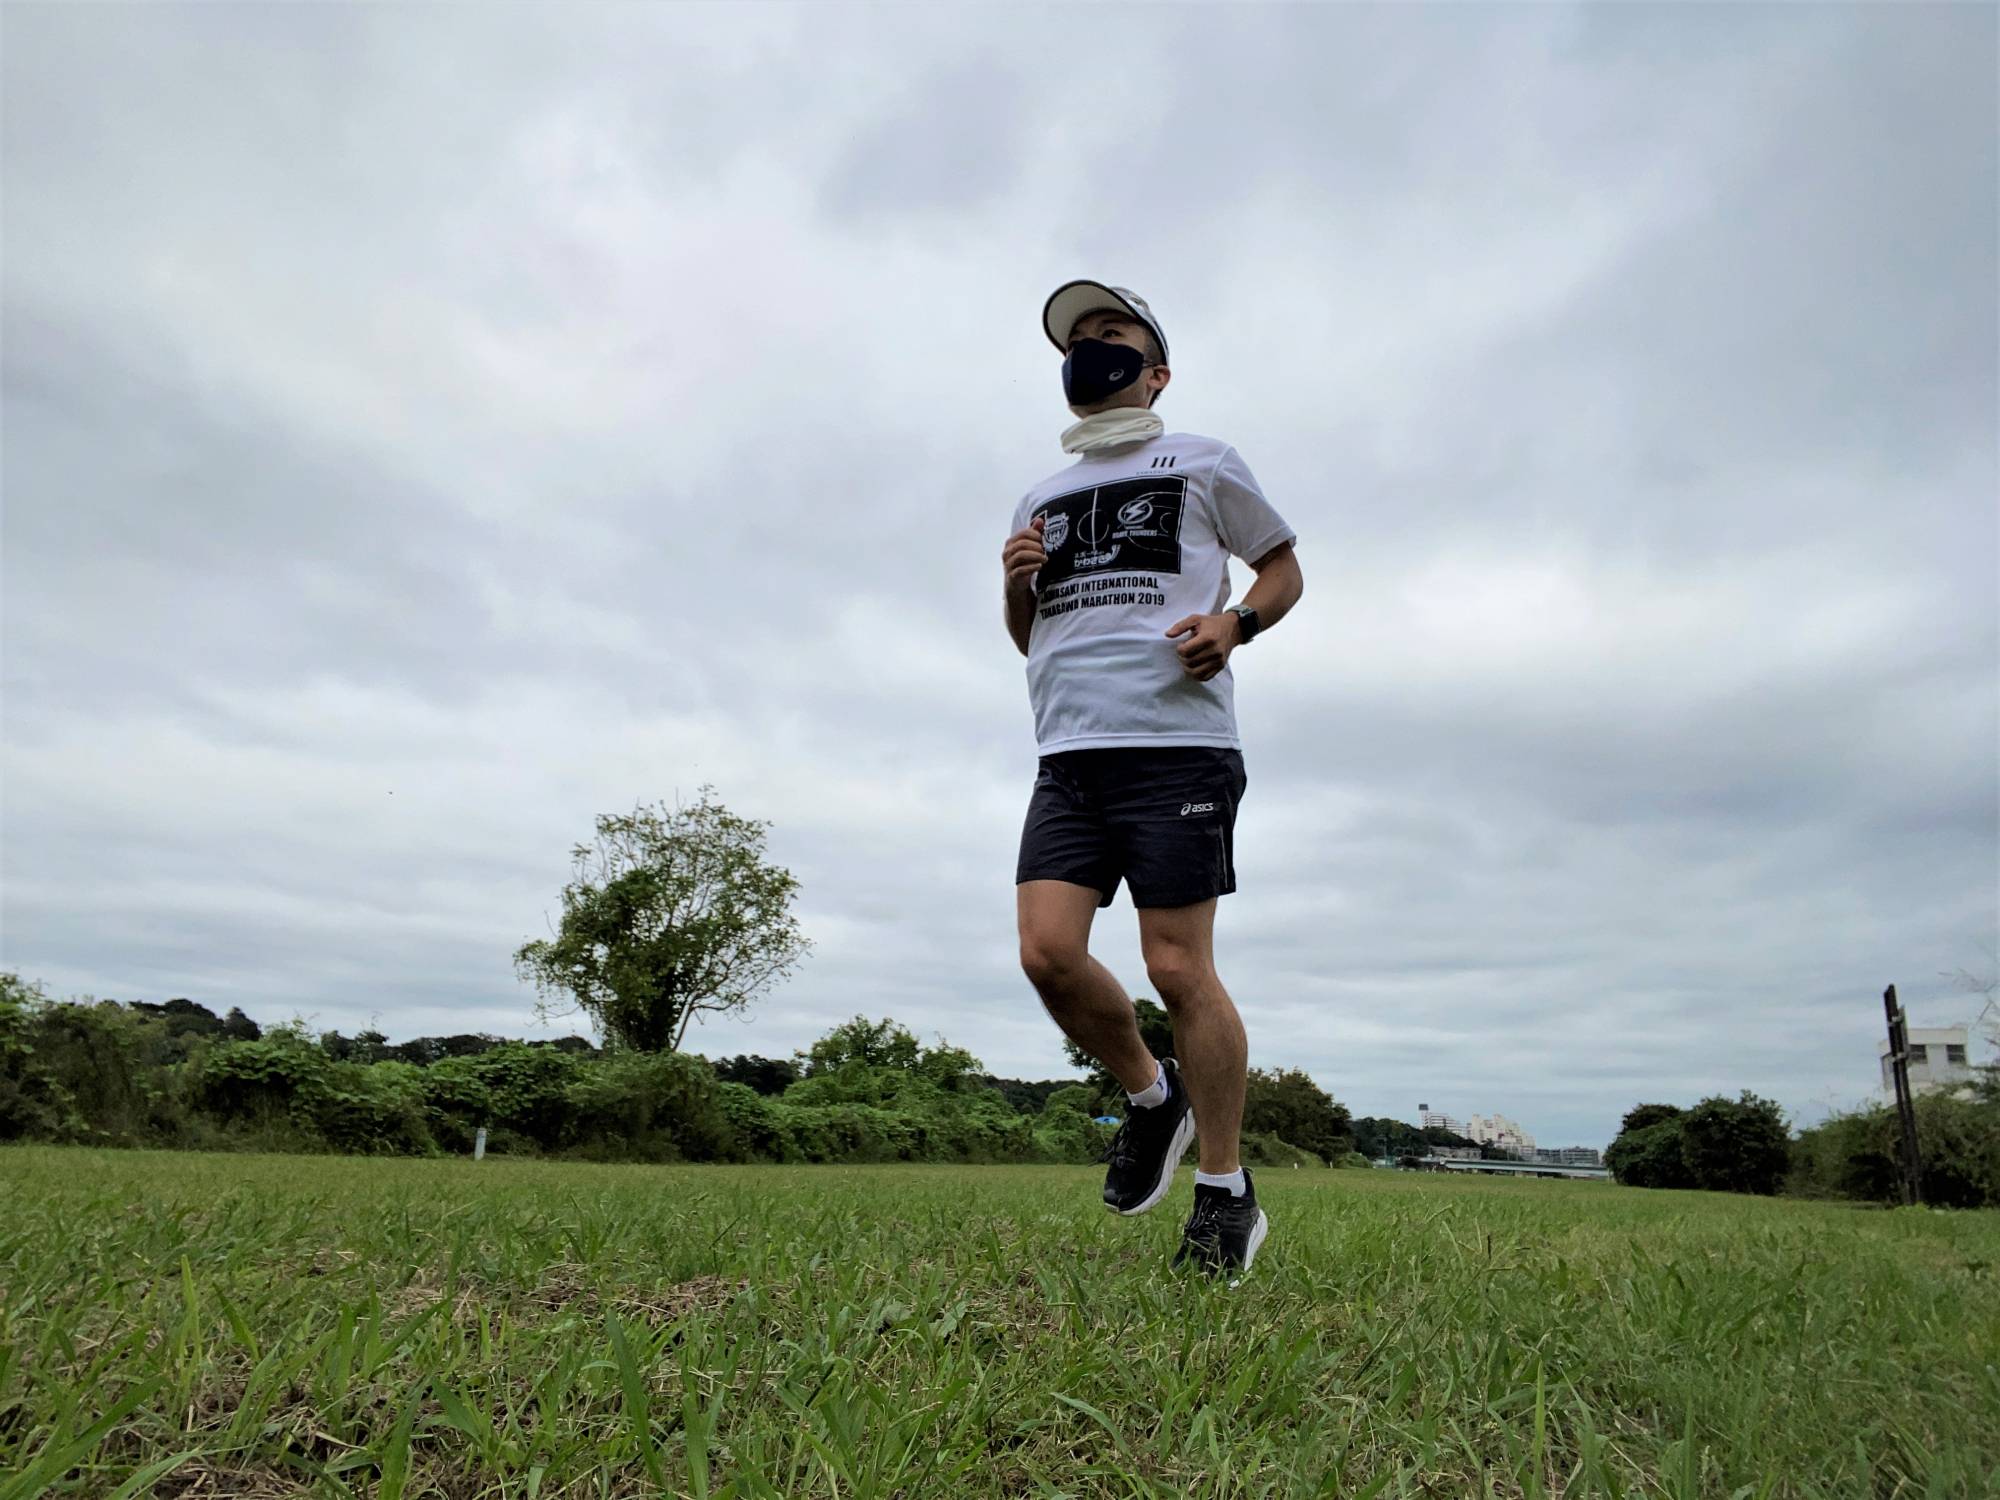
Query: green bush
x,y
1857,1155
456,1103
1650,1157
1073,1098
660,1106
756,1133
1736,1145
34,1103
174,1074
372,1110
1067,1135
1265,1150
278,1078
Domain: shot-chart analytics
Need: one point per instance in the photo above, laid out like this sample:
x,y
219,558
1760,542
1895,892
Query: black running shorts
x,y
1163,820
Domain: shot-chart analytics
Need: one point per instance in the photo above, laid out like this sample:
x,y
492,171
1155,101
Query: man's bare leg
x,y
1080,994
1179,944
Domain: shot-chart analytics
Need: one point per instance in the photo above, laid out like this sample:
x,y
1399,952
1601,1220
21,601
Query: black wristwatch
x,y
1246,620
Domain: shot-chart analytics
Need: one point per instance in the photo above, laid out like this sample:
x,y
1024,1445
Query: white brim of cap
x,y
1069,302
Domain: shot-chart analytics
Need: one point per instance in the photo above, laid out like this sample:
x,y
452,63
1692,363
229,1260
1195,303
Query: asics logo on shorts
x,y
1195,807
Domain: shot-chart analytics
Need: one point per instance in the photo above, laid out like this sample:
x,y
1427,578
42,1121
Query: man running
x,y
1117,574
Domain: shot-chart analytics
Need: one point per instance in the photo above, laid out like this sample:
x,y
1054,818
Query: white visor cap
x,y
1070,301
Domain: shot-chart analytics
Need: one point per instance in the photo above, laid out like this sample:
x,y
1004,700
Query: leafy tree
x,y
1639,1116
1650,1157
1736,1145
1028,1097
1286,1103
886,1044
238,1027
668,914
426,1050
876,1044
1379,1136
1075,1098
767,1075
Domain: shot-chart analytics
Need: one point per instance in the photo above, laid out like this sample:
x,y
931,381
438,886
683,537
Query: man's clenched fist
x,y
1210,639
1023,554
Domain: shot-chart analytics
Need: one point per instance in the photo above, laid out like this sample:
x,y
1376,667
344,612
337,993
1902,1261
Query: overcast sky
x,y
427,428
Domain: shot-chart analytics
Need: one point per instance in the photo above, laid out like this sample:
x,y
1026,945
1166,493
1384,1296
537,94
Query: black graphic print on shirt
x,y
1128,523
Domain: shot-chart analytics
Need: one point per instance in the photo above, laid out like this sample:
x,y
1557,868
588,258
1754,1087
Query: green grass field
x,y
183,1325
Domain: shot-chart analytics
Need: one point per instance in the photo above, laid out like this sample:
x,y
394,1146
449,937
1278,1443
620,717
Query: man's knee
x,y
1179,975
1052,966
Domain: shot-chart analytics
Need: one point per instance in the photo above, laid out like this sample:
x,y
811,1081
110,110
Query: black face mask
x,y
1093,370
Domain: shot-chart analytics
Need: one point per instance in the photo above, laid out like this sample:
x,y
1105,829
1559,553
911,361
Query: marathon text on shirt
x,y
1095,592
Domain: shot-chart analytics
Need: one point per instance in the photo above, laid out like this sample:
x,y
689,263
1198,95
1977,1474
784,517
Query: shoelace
x,y
1121,1152
1204,1225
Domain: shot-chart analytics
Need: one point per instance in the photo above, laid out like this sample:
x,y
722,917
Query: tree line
x,y
176,1075
1743,1145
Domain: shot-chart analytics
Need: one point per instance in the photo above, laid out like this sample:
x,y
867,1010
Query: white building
x,y
1431,1119
1498,1130
1938,1059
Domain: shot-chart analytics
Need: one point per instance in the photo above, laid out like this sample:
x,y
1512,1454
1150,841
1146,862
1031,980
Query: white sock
x,y
1153,1094
1235,1181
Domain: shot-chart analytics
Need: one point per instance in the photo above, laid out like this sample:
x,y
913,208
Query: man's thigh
x,y
1054,918
1172,937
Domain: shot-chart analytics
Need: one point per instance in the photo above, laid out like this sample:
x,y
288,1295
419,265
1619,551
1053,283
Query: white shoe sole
x,y
1183,1133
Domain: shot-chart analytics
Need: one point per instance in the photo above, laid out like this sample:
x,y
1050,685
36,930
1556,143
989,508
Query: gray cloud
x,y
428,429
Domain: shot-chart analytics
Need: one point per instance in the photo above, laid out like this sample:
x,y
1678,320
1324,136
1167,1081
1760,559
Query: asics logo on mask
x,y
1094,369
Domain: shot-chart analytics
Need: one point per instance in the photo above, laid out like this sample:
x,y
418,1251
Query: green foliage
x,y
1855,1155
668,914
1069,1136
1075,1098
1378,1136
871,1092
1721,1145
529,1090
1736,1146
767,1075
1650,1157
274,1078
1639,1116
638,1106
373,1110
34,1103
1264,1150
1286,1104
1029,1096
874,1044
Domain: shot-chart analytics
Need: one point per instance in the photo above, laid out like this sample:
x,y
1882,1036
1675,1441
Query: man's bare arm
x,y
1278,587
1022,555
1020,615
1205,641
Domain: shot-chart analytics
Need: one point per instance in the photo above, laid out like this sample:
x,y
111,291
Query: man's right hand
x,y
1023,554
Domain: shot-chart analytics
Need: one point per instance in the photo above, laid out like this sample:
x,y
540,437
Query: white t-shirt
x,y
1138,537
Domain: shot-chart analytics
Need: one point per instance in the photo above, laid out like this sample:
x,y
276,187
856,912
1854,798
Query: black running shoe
x,y
1139,1167
1224,1231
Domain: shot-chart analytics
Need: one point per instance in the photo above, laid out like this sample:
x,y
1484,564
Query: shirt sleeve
x,y
1247,523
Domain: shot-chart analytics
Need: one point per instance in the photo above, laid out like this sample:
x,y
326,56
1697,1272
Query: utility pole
x,y
1906,1114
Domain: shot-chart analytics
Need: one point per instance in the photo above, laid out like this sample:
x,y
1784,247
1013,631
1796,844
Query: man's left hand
x,y
1210,639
